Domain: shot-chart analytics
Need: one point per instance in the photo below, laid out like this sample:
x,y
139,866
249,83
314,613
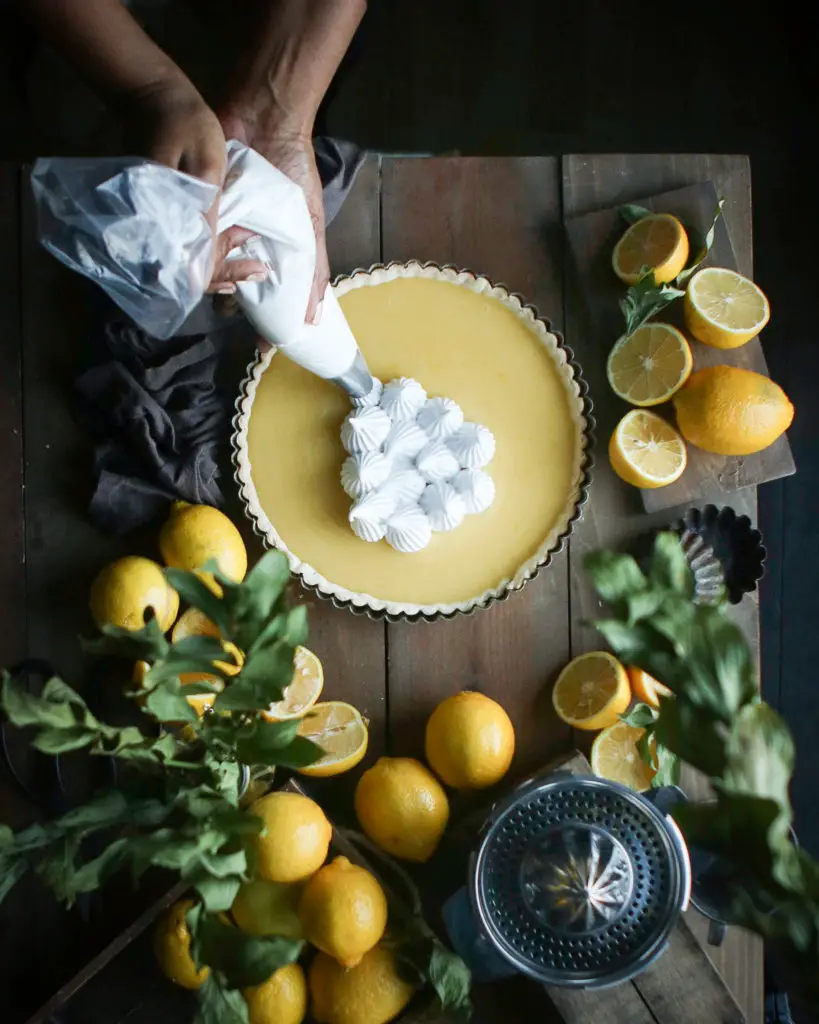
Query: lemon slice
x,y
614,756
646,451
303,691
647,367
341,731
724,309
657,242
591,691
646,688
200,702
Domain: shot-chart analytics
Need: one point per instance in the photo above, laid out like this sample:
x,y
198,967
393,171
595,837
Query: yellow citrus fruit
x,y
592,691
195,534
303,691
200,702
172,946
402,807
340,731
470,741
724,309
614,756
731,411
282,999
126,589
343,911
296,838
192,622
658,242
373,992
646,688
645,451
269,908
647,367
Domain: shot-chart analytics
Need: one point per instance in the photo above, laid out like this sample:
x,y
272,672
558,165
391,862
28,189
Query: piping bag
x,y
137,229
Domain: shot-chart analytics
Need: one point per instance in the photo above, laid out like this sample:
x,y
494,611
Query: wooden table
x,y
502,217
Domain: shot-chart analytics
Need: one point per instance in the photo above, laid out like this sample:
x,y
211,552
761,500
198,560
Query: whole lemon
x,y
470,741
296,837
268,908
402,807
124,590
731,411
172,946
194,534
282,999
343,911
373,992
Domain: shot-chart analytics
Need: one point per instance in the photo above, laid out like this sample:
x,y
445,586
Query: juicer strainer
x,y
577,881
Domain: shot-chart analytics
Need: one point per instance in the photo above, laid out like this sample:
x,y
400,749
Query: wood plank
x,y
592,238
500,218
12,564
615,516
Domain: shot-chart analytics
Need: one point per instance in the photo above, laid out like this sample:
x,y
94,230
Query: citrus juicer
x,y
576,882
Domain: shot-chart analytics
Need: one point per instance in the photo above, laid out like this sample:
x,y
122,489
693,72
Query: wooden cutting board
x,y
592,238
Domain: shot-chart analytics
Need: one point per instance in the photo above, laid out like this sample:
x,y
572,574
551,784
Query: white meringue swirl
x,y
436,462
444,507
473,445
365,430
363,473
402,399
406,486
439,418
405,439
368,517
409,530
476,488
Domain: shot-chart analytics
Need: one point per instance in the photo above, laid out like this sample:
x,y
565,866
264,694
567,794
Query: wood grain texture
x,y
615,515
500,218
592,238
12,563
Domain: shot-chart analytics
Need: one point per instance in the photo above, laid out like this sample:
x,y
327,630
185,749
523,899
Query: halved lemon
x,y
592,691
192,622
724,309
614,756
657,242
200,702
646,688
647,367
303,691
645,451
341,731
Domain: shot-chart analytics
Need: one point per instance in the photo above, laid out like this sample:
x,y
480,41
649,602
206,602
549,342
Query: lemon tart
x,y
462,337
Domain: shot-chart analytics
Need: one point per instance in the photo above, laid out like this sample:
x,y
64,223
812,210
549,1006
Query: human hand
x,y
175,127
292,153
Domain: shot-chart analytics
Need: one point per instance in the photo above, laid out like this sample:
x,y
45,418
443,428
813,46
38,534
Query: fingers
x,y
227,276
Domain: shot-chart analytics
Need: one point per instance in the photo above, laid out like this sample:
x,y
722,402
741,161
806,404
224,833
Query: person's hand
x,y
292,153
177,128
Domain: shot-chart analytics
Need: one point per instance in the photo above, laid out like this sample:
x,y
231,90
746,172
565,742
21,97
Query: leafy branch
x,y
716,723
647,298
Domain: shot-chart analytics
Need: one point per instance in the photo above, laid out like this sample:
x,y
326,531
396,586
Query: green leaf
x,y
669,567
641,716
644,300
628,642
615,576
252,604
262,681
23,708
693,735
631,212
93,873
217,894
216,1004
452,981
167,702
146,644
704,248
192,590
244,960
60,741
643,604
12,870
669,767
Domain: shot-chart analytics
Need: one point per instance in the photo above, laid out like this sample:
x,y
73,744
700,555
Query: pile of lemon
x,y
723,409
591,693
338,907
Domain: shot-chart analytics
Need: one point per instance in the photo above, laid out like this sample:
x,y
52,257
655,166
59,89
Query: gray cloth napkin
x,y
153,406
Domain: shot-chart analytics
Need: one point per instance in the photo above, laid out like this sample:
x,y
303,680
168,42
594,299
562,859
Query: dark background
x,y
540,77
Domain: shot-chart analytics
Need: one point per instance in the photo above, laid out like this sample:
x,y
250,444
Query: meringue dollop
x,y
409,530
444,507
476,488
402,399
439,418
365,430
363,473
473,445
